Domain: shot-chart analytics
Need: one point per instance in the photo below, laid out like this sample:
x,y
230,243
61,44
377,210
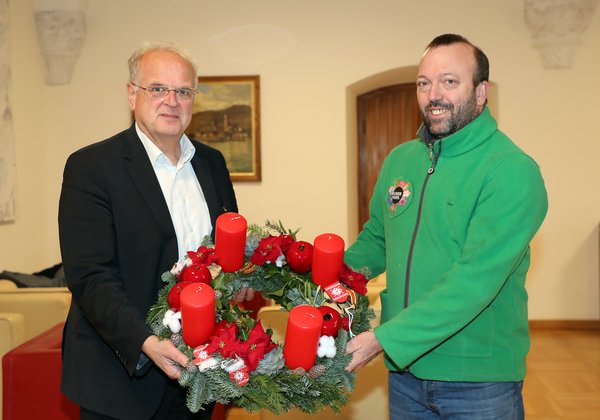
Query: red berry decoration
x,y
299,256
332,321
196,273
174,299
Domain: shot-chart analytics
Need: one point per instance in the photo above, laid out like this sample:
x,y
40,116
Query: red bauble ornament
x,y
332,321
299,256
196,273
173,299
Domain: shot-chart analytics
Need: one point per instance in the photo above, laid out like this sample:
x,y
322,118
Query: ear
x,y
481,92
131,91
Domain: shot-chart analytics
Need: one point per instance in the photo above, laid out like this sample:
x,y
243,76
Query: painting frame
x,y
226,116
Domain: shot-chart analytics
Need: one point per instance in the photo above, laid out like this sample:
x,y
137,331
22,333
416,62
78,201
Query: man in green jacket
x,y
451,219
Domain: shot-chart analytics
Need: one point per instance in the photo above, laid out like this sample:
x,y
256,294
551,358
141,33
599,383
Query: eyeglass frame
x,y
164,91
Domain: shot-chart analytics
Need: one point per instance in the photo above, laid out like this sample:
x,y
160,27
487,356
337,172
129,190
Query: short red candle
x,y
197,313
302,337
328,257
230,241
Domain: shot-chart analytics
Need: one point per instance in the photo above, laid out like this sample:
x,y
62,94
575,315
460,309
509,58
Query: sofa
x,y
27,312
31,376
41,307
12,333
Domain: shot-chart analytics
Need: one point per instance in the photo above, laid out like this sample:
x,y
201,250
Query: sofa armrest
x,y
7,285
41,309
12,334
375,286
12,331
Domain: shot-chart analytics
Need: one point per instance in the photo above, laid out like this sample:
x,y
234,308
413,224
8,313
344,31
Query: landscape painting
x,y
226,116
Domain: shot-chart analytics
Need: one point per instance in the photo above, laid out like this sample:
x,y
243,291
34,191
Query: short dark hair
x,y
482,71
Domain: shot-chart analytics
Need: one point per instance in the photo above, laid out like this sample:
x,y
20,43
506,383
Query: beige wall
x,y
313,57
29,242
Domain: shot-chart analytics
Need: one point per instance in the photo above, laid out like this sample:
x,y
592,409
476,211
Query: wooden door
x,y
387,117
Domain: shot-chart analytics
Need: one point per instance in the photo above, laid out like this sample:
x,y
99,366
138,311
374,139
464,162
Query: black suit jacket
x,y
117,238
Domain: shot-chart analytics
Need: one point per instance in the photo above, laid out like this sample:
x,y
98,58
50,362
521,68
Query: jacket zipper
x,y
434,159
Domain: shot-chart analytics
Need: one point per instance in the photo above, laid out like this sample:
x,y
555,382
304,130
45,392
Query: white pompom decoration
x,y
326,347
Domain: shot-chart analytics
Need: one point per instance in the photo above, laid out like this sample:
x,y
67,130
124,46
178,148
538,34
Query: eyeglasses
x,y
159,92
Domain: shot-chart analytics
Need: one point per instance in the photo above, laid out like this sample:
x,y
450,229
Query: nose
x,y
171,98
435,92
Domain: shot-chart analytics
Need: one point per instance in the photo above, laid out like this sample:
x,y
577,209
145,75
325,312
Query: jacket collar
x,y
464,140
201,167
140,169
142,173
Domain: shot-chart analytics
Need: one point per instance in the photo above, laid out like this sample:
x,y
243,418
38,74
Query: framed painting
x,y
226,116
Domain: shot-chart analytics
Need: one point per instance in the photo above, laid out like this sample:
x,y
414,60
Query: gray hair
x,y
134,60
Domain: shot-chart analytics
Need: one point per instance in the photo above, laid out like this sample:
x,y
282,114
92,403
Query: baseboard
x,y
565,324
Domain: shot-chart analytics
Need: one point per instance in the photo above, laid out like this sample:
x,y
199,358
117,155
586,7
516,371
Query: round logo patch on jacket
x,y
399,196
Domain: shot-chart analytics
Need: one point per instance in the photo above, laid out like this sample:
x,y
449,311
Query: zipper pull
x,y
433,157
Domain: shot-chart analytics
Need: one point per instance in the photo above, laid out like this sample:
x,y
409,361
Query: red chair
x,y
31,380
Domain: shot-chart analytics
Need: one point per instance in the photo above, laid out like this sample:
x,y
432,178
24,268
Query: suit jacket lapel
x,y
203,173
144,177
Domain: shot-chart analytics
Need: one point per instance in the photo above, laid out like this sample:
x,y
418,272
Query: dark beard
x,y
466,112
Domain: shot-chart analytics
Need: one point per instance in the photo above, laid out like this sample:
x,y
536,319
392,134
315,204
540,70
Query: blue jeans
x,y
413,398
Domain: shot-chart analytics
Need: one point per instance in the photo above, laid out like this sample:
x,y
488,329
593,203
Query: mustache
x,y
438,104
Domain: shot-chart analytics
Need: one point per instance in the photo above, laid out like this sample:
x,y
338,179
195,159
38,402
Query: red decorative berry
x,y
299,256
196,273
332,321
173,299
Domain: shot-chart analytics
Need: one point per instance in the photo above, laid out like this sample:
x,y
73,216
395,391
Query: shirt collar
x,y
154,153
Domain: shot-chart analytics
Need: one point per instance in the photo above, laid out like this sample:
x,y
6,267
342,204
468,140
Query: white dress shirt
x,y
182,192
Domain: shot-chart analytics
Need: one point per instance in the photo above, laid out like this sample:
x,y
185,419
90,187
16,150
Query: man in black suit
x,y
130,207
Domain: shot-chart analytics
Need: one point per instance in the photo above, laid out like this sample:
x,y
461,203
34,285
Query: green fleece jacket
x,y
450,224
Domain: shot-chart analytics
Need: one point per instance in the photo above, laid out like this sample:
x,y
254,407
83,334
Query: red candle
x,y
302,337
328,257
197,313
230,241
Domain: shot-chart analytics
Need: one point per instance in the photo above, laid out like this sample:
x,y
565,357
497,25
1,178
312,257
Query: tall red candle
x,y
328,257
230,241
197,313
302,337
